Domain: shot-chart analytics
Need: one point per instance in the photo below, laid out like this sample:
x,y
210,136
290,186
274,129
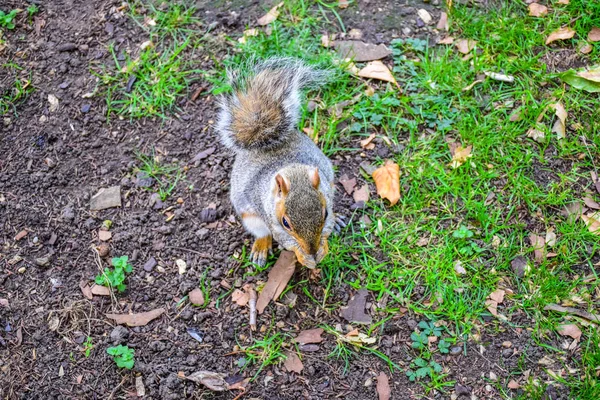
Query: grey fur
x,y
253,183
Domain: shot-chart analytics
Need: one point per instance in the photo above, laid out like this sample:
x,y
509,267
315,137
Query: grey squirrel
x,y
282,185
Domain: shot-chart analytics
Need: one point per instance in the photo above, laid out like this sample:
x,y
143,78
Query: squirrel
x,y
282,185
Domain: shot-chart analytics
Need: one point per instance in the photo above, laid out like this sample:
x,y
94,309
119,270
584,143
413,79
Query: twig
x,y
117,388
252,303
574,311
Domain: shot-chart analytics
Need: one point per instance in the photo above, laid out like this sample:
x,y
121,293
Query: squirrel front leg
x,y
263,241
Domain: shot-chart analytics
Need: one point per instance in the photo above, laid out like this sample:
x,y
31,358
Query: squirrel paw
x,y
340,223
261,250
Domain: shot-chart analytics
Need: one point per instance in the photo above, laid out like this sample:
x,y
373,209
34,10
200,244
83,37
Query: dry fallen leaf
x,y
279,276
361,195
513,384
563,1
355,310
591,203
574,311
424,15
465,45
213,380
343,4
104,236
550,238
446,40
538,243
460,156
348,183
570,330
536,135
240,297
356,337
458,268
560,34
594,35
592,221
537,10
270,16
100,290
387,181
377,70
367,143
196,297
139,319
21,235
309,336
86,290
443,22
293,363
497,295
383,387
585,48
560,124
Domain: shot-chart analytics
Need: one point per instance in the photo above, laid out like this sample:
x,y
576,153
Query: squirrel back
x,y
263,109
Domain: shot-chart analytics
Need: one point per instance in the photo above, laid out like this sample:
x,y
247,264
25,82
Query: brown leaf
x,y
367,143
240,297
343,4
536,135
585,48
537,10
591,203
21,235
460,156
100,290
538,243
348,183
310,336
139,319
574,311
497,296
86,290
446,40
360,51
492,307
292,363
215,381
594,35
387,181
515,116
465,45
279,276
592,221
512,384
443,22
560,124
355,310
560,34
104,236
377,70
383,387
569,330
563,1
362,194
270,16
38,24
196,297
573,210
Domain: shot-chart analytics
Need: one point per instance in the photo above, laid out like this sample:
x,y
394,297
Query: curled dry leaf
x,y
215,381
383,387
573,311
592,221
293,363
86,290
139,319
560,34
309,336
458,268
571,330
447,40
594,35
536,135
591,203
377,70
240,297
270,16
500,77
443,22
460,156
537,10
585,48
538,243
465,45
550,238
387,181
560,124
348,183
279,276
367,143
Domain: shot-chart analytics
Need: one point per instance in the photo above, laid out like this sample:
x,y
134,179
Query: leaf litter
x,y
387,181
279,276
139,319
309,336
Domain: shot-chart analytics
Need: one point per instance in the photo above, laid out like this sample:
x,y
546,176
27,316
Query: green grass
x,y
15,88
153,77
530,182
165,176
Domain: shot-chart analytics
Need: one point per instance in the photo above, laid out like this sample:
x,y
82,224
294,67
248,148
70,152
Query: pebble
x,y
142,179
86,108
507,352
208,215
119,334
456,350
68,213
462,390
150,264
42,261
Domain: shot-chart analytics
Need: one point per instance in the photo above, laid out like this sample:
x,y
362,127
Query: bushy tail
x,y
263,109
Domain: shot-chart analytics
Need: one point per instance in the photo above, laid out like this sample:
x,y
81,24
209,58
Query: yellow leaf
x,y
560,124
377,70
387,181
460,156
537,10
560,34
270,16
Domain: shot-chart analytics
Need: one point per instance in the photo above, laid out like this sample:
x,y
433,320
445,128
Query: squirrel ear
x,y
282,184
315,179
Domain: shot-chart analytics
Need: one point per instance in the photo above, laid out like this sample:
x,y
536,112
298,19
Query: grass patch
x,y
158,177
15,90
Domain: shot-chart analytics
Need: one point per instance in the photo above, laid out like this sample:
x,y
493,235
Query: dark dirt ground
x,y
51,163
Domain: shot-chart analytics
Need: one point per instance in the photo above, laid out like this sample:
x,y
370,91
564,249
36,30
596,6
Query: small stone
x,y
181,266
64,85
462,390
507,352
507,344
412,324
22,270
142,179
106,198
197,297
85,108
493,376
308,347
103,249
150,264
208,215
68,213
42,261
456,350
119,334
202,233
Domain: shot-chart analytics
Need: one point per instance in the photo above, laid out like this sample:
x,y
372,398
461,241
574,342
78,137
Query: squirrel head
x,y
301,211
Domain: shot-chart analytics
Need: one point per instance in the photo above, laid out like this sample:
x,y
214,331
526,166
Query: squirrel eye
x,y
285,223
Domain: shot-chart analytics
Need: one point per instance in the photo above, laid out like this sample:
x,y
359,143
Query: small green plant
x,y
166,176
88,346
7,20
466,247
32,10
122,355
421,368
265,352
115,277
462,233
